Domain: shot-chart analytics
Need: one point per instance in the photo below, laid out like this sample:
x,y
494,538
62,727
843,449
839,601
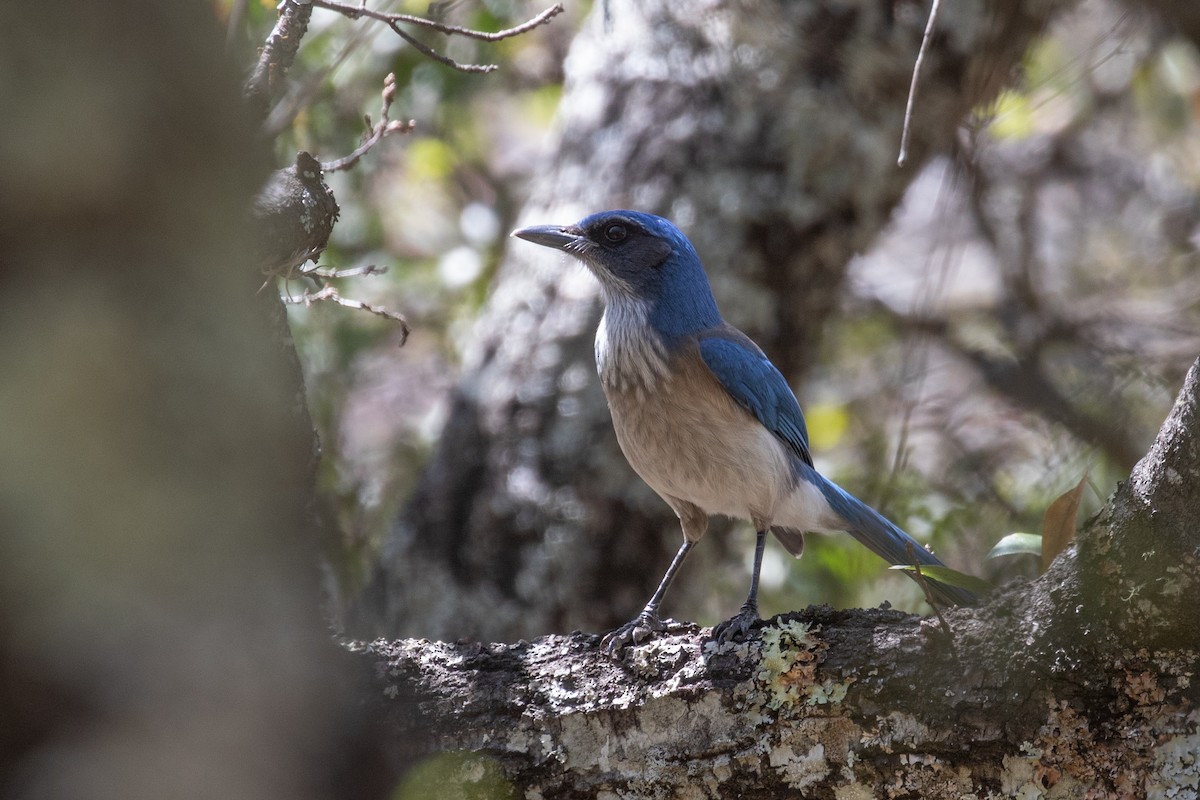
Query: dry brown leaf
x,y
1058,525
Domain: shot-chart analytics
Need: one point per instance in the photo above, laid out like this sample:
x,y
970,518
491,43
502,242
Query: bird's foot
x,y
738,626
639,629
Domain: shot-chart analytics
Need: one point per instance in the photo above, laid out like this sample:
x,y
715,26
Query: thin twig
x,y
916,77
438,57
923,582
374,133
353,272
354,12
394,21
484,36
330,294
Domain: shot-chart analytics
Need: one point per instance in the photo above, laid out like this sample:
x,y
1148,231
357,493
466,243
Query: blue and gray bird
x,y
702,415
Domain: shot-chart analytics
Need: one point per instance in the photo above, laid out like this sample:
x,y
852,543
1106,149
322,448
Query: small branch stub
x,y
328,293
375,133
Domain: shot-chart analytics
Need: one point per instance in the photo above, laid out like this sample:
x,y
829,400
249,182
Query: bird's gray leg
x,y
647,623
740,624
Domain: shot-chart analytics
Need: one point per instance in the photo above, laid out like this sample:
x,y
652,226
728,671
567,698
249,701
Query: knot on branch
x,y
295,212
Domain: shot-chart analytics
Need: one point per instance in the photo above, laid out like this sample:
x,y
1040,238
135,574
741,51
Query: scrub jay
x,y
702,415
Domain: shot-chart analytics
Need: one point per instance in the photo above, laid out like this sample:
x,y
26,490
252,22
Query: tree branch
x,y
396,21
1173,463
1058,683
375,132
277,55
825,701
354,12
330,294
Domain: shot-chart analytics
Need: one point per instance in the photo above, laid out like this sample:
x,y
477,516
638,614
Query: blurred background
x,y
968,336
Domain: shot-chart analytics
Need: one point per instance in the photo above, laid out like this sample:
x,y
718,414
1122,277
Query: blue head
x,y
639,259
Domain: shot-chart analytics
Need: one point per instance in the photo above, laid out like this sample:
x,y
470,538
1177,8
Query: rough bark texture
x,y
1081,684
768,131
295,210
277,55
1146,545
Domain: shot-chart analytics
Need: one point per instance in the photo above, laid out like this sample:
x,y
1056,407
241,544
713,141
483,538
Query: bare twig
x,y
485,36
354,12
395,21
334,274
436,56
374,133
916,77
329,293
923,582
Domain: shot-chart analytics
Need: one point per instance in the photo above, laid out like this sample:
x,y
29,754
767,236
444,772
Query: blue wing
x,y
754,382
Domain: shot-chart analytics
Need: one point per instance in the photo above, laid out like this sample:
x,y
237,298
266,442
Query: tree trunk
x,y
769,132
1080,684
160,623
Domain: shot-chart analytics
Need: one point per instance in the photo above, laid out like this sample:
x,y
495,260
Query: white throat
x,y
630,355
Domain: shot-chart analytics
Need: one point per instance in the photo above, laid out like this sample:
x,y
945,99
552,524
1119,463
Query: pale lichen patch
x,y
799,771
1176,769
853,791
791,653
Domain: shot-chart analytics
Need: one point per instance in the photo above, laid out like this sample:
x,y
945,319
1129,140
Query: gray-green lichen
x,y
1176,768
790,655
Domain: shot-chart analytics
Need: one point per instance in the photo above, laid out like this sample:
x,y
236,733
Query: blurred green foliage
x,y
456,775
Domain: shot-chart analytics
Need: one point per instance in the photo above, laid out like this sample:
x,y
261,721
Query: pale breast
x,y
688,439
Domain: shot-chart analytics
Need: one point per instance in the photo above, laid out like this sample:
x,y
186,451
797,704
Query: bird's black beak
x,y
556,236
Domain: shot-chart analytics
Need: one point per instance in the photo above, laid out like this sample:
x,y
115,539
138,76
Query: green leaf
x,y
1017,544
950,577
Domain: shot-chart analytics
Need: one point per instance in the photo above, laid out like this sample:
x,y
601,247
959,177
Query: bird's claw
x,y
738,626
636,631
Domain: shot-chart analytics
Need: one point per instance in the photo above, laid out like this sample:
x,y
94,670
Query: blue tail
x,y
887,541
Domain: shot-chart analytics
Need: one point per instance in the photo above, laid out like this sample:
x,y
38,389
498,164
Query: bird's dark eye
x,y
615,233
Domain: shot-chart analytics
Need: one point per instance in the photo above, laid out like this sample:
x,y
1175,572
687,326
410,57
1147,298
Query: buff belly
x,y
689,440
